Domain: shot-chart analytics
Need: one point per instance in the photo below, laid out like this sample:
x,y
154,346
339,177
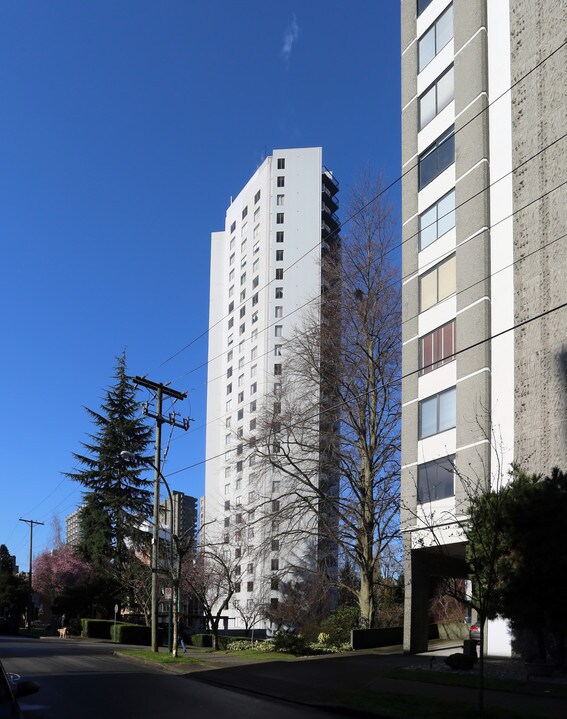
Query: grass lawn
x,y
161,657
406,706
263,656
547,689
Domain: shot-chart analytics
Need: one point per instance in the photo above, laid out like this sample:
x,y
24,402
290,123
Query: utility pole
x,y
160,390
31,522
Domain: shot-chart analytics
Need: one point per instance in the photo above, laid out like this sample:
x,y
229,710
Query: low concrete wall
x,y
389,636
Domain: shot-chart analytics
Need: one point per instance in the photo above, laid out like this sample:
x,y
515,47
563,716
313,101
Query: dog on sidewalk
x,y
63,632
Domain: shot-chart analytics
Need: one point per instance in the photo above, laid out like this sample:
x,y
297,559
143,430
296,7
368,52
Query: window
x,y
229,388
277,350
275,565
241,363
243,278
229,356
257,197
435,39
255,282
254,335
229,372
250,568
277,369
227,504
279,236
421,5
279,293
231,306
256,215
254,299
279,218
232,258
251,496
255,266
243,247
275,505
226,539
231,323
244,212
253,406
275,545
227,424
239,432
278,311
277,407
240,397
242,329
233,227
278,330
274,584
231,275
230,339
229,405
237,569
239,468
252,460
240,414
276,485
253,353
232,242
279,273
237,587
227,438
279,255
255,317
253,370
274,601
435,480
243,230
281,163
279,200
437,284
256,232
437,220
437,348
280,182
242,311
249,586
227,521
277,387
256,248
227,488
238,501
253,388
437,158
231,291
238,550
253,424
436,98
437,413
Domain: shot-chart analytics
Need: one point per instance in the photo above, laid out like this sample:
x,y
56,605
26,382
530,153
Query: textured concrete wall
x,y
539,109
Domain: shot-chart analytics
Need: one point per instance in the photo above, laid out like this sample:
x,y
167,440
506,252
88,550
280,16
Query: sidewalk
x,y
331,681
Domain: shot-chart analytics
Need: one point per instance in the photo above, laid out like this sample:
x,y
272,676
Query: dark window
x,y
277,369
227,504
275,505
252,424
229,388
231,306
421,5
279,236
279,273
279,255
242,311
239,467
249,586
437,158
257,197
244,212
237,586
239,449
240,397
275,545
279,218
227,521
279,293
281,163
281,181
275,565
238,551
437,348
274,602
233,226
274,584
435,480
240,414
229,372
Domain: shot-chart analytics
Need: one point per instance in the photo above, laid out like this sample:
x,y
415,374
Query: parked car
x,y
474,632
10,691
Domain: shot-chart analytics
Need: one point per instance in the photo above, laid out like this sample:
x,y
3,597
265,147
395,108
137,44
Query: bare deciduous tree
x,y
328,440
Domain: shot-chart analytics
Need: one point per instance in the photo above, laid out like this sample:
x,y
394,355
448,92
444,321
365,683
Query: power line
x,y
396,381
391,185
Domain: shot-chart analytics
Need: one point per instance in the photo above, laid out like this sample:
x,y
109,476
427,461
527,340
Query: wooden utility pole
x,y
160,390
31,522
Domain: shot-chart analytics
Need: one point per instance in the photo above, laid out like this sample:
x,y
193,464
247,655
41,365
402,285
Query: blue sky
x,y
126,125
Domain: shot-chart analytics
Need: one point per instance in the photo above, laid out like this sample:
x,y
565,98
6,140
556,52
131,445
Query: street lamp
x,y
154,553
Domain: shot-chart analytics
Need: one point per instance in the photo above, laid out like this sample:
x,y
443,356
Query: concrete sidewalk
x,y
331,681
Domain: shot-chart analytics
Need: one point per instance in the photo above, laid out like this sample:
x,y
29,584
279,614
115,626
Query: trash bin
x,y
469,648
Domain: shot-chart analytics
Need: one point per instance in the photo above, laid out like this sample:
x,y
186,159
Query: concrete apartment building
x,y
484,267
73,533
265,274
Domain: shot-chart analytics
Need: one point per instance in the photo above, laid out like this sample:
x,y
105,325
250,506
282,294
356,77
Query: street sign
x,y
168,592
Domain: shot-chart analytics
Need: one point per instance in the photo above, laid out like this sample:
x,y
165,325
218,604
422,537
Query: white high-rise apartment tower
x,y
265,274
484,264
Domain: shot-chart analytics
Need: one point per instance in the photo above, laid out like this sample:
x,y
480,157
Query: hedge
x,y
131,634
96,628
206,640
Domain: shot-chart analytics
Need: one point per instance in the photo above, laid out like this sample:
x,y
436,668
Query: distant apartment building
x,y
484,265
184,514
73,534
265,275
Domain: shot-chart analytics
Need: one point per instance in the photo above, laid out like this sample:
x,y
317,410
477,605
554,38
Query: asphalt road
x,y
80,680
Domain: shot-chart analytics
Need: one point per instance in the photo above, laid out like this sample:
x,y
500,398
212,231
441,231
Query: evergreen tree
x,y
117,495
6,562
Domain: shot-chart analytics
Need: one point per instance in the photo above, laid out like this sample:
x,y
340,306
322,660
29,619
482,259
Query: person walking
x,y
180,634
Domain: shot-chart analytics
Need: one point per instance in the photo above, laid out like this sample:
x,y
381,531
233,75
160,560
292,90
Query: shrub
x,y
339,624
290,643
202,640
459,661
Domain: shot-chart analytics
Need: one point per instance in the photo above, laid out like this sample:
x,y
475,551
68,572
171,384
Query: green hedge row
x,y
96,628
131,634
206,640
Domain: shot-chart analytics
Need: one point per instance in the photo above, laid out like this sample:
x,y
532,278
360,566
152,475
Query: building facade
x,y
484,231
265,275
73,533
